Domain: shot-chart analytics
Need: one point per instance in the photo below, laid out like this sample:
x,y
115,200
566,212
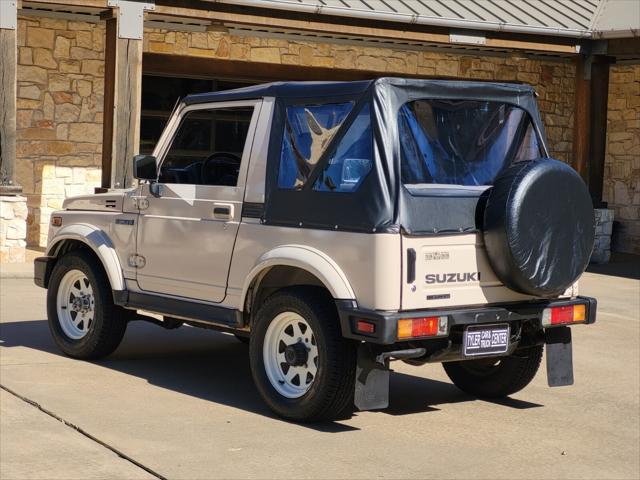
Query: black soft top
x,y
282,90
381,203
482,90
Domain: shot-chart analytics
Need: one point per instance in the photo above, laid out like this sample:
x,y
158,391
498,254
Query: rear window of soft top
x,y
462,142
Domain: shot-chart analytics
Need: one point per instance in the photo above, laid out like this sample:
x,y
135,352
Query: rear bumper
x,y
386,323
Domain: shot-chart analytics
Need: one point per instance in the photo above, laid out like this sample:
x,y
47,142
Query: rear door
x,y
187,228
449,270
451,151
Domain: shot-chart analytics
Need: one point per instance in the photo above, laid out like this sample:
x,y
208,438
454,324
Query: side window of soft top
x,y
207,147
308,131
352,159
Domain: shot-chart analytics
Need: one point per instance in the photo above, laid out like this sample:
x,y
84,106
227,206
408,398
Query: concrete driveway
x,y
181,404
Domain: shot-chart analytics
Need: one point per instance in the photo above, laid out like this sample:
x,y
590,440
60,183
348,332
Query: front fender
x,y
99,242
306,258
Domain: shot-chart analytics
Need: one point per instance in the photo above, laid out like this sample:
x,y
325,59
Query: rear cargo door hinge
x,y
137,261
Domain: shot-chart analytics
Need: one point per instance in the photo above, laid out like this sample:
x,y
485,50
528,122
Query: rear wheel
x,y
302,366
496,377
83,319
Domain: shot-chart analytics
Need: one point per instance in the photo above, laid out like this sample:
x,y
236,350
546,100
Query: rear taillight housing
x,y
566,314
422,327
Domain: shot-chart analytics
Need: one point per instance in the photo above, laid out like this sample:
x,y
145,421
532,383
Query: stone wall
x,y
622,161
13,228
61,83
59,114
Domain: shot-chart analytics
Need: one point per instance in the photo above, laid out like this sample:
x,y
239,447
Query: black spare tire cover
x,y
539,227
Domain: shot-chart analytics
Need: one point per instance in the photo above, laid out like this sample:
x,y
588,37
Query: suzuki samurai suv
x,y
336,226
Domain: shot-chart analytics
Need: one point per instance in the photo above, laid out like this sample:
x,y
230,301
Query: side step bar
x,y
182,309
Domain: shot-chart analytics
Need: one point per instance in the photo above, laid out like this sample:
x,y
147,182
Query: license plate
x,y
486,340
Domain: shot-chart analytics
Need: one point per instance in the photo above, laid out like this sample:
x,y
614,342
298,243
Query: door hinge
x,y
137,261
141,203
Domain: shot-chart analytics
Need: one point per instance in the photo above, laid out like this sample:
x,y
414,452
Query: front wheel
x,y
496,377
302,366
83,319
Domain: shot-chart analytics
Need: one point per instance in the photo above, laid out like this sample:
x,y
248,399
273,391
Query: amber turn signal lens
x,y
404,328
579,313
56,221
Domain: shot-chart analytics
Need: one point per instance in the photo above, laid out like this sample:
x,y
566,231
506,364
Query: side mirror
x,y
144,167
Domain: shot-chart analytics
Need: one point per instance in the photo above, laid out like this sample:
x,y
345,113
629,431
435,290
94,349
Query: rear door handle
x,y
411,265
223,211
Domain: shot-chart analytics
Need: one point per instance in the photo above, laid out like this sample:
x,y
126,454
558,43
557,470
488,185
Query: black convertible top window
x,y
307,133
462,142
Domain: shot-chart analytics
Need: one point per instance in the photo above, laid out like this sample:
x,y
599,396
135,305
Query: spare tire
x,y
539,227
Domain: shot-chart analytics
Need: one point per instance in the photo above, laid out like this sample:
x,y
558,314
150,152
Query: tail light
x,y
422,327
566,314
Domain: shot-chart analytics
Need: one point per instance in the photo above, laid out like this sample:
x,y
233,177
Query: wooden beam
x,y
122,106
111,38
178,65
590,121
624,47
126,139
8,70
598,134
532,45
582,118
375,30
102,4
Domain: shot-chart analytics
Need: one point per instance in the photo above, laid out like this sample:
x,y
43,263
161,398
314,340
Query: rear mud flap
x,y
372,381
559,357
372,375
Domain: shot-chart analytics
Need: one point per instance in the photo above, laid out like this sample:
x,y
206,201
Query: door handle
x,y
223,211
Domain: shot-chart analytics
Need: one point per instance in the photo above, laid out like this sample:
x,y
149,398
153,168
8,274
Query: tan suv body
x,y
361,204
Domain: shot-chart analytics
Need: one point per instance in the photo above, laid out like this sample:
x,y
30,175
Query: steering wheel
x,y
220,168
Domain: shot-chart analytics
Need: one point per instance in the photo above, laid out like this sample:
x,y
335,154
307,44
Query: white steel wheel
x,y
75,304
290,355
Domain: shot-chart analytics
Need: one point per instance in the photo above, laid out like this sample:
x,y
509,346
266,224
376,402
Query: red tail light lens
x,y
561,315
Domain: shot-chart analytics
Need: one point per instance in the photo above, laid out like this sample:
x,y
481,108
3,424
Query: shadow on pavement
x,y
621,265
215,367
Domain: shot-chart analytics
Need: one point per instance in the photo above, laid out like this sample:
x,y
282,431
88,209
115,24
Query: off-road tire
x,y
110,321
511,375
331,393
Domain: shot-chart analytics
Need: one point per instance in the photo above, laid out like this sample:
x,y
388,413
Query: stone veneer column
x,y
13,228
13,207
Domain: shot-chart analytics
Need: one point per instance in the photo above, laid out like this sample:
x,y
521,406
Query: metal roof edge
x,y
292,5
